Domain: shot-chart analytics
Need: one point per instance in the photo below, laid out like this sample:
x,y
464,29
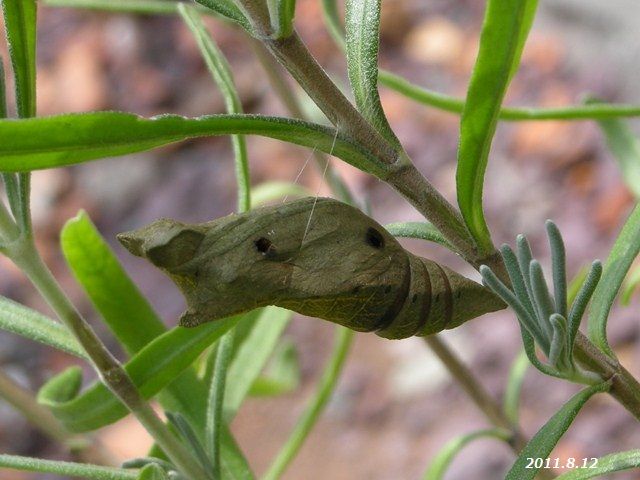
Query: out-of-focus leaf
x,y
363,32
282,374
622,255
439,465
503,34
513,389
630,285
252,356
616,462
47,142
541,445
269,191
68,469
625,147
18,319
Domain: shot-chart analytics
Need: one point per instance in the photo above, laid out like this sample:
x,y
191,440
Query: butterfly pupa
x,y
316,256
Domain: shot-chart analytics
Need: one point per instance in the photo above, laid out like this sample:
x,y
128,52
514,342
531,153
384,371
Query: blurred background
x,y
395,406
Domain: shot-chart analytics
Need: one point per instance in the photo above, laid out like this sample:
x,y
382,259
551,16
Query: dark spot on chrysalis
x,y
356,289
387,289
374,238
458,293
263,245
414,298
437,297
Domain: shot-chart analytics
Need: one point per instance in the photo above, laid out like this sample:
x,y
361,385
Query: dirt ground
x,y
395,405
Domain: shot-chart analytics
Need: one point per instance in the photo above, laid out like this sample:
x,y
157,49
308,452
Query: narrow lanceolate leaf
x,y
511,402
68,469
440,464
541,445
421,230
625,147
221,72
20,25
228,9
125,311
616,462
269,191
622,255
504,27
363,38
48,142
18,319
151,369
142,7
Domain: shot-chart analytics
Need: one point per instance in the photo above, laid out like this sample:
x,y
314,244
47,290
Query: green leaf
x,y
455,105
505,25
252,356
541,445
18,319
143,7
152,472
48,142
630,285
151,369
513,389
221,72
333,22
215,400
20,25
228,9
363,25
85,470
625,147
615,462
622,255
125,311
282,374
269,191
421,230
439,465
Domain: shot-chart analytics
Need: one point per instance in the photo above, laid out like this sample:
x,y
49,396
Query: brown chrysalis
x,y
318,257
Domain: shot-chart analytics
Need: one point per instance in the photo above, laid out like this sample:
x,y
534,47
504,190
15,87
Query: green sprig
x,y
544,317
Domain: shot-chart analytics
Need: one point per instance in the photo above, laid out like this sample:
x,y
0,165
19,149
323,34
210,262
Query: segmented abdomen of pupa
x,y
438,299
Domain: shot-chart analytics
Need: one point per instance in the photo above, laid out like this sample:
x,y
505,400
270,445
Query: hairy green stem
x,y
26,257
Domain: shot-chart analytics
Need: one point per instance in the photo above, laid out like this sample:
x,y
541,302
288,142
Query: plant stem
x,y
24,402
291,103
26,257
481,397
